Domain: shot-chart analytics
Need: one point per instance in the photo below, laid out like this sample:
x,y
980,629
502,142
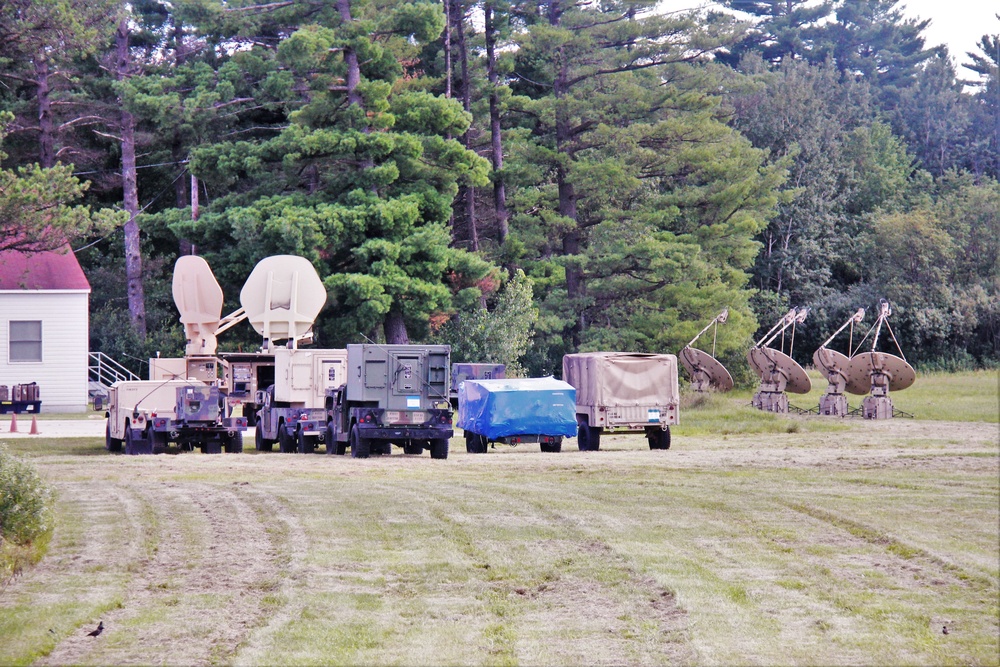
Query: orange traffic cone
x,y
34,425
13,423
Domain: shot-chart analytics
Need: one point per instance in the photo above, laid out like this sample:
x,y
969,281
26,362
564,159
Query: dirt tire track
x,y
194,554
289,556
580,619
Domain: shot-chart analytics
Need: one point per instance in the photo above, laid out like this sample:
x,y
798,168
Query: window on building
x,y
25,341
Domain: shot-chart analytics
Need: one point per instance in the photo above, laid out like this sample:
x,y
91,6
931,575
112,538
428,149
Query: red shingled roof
x,y
55,270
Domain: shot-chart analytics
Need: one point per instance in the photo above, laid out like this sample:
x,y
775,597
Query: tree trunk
x,y
395,327
468,191
567,194
46,135
496,140
133,254
350,57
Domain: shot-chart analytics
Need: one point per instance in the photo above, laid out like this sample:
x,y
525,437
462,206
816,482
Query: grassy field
x,y
756,539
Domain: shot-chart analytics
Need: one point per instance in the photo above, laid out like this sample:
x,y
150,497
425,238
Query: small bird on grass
x,y
97,631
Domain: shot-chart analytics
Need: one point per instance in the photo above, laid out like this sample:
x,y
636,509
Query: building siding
x,y
62,373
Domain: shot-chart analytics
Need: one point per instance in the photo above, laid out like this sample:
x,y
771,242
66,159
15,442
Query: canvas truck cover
x,y
622,379
525,406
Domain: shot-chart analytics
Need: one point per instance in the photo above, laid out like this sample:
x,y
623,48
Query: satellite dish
x,y
831,363
879,373
199,300
282,297
706,370
777,368
899,373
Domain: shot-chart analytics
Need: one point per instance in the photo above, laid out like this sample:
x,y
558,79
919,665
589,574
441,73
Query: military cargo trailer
x,y
292,411
517,411
623,392
146,416
394,395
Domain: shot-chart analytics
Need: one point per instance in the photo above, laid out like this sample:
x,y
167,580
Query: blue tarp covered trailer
x,y
518,410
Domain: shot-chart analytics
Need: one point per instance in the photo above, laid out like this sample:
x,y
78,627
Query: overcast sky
x,y
957,23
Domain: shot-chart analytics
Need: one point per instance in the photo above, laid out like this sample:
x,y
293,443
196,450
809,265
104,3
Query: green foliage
x,y
499,334
25,515
37,210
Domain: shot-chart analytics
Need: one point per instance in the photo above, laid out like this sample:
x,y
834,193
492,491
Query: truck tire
x,y
307,445
360,447
234,445
659,438
261,443
588,437
334,446
129,442
286,444
381,448
111,444
439,448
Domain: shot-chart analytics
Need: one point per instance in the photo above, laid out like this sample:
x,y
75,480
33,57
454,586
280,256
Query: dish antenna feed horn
x,y
876,373
835,367
777,371
705,370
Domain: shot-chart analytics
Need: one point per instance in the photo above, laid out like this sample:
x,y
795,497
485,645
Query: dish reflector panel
x,y
831,363
701,364
774,366
859,379
199,300
282,297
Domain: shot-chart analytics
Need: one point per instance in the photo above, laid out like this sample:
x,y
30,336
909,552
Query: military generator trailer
x,y
623,392
146,416
516,411
292,411
394,395
462,372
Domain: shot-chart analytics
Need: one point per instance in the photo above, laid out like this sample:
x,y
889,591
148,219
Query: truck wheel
x,y
332,446
439,448
360,447
111,444
130,442
659,438
306,443
285,443
382,449
234,445
588,437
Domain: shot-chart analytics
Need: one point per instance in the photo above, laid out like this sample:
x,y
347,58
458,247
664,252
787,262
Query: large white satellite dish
x,y
199,300
282,297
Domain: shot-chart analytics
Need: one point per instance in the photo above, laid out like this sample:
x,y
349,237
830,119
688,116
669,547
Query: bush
x,y
25,516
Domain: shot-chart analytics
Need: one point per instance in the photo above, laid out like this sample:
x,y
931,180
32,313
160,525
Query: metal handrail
x,y
107,371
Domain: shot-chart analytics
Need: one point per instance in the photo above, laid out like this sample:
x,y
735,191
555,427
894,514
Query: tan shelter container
x,y
626,392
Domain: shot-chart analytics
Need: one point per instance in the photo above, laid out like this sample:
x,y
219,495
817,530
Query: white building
x,y
44,326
